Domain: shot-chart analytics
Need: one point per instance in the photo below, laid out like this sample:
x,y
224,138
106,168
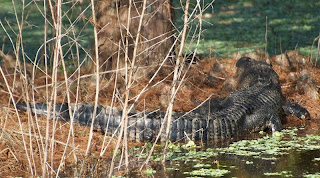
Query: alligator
x,y
257,105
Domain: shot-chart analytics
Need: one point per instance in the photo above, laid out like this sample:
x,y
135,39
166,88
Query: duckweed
x,y
206,162
316,159
317,175
208,172
275,145
150,172
198,165
282,174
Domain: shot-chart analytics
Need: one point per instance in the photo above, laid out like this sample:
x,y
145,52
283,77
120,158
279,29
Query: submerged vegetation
x,y
284,154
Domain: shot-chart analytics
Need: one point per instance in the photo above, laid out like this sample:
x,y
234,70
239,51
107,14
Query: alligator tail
x,y
60,112
142,126
81,115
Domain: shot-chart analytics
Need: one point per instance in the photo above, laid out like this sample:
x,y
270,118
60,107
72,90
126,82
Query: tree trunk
x,y
155,38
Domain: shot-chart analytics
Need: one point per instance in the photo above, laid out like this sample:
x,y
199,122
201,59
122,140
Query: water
x,y
296,164
295,152
292,153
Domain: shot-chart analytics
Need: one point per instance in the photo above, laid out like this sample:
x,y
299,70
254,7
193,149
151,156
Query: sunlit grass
x,y
231,26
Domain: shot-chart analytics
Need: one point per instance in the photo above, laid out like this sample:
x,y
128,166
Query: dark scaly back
x,y
251,71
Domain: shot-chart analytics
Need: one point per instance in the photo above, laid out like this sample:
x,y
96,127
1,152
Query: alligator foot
x,y
261,119
295,109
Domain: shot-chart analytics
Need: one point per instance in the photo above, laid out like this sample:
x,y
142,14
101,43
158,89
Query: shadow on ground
x,y
229,26
232,26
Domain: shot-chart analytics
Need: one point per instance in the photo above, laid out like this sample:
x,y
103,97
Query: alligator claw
x,y
297,110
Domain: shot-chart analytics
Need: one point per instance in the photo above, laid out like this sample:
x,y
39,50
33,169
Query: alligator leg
x,y
274,123
297,110
261,119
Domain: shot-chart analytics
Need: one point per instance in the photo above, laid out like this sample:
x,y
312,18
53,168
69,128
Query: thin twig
x,y
19,119
97,83
175,79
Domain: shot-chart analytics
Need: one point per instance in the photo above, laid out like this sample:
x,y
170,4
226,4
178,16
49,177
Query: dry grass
x,y
36,145
195,87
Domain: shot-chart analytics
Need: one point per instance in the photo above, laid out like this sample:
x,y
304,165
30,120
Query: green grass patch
x,y
240,26
228,26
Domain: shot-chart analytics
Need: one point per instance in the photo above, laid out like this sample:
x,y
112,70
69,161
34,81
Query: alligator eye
x,y
303,116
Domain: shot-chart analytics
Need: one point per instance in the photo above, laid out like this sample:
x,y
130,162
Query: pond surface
x,y
292,153
294,164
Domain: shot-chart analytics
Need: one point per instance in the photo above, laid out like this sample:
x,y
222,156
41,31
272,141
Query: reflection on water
x,y
294,153
296,164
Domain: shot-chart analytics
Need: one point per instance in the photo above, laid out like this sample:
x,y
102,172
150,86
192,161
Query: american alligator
x,y
257,104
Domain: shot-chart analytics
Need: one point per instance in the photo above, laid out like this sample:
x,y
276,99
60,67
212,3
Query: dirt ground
x,y
208,77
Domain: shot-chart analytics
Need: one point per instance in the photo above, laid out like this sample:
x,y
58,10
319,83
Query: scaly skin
x,y
257,105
